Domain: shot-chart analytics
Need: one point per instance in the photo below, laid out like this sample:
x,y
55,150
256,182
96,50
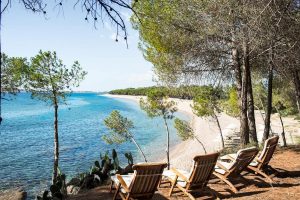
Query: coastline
x,y
181,154
206,130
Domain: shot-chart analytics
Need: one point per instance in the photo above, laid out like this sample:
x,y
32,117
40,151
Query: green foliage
x,y
119,128
106,164
12,77
184,130
106,160
230,105
109,163
49,80
181,92
157,104
283,97
260,95
207,102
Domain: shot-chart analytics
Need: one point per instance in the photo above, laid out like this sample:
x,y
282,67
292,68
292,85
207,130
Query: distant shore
x,y
207,131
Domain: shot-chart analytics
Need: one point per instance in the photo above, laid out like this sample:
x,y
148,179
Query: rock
x,y
90,182
21,195
72,189
128,169
74,181
69,189
75,190
13,195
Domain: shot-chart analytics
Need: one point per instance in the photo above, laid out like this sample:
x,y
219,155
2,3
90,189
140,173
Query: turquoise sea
x,y
26,144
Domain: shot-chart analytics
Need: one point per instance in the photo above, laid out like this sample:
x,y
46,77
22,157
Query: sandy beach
x,y
207,131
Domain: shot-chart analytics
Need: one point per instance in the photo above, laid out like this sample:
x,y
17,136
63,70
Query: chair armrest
x,y
180,175
122,182
258,160
222,166
231,158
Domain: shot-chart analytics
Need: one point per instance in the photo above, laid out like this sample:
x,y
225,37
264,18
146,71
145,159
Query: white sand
x,y
208,133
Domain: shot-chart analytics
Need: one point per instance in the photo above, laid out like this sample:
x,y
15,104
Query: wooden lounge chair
x,y
197,178
225,171
261,163
141,184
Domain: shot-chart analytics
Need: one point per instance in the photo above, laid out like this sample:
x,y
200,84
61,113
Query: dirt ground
x,y
286,183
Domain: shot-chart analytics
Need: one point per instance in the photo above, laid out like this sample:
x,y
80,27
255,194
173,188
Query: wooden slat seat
x,y
226,171
197,178
141,184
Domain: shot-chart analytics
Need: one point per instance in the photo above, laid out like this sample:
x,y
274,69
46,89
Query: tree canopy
x,y
223,42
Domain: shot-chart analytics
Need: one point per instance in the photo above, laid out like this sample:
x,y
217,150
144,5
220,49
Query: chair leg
x,y
257,171
190,196
213,193
173,186
226,181
186,192
159,183
117,192
111,186
265,175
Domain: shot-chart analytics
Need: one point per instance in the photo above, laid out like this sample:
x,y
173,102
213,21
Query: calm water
x,y
26,145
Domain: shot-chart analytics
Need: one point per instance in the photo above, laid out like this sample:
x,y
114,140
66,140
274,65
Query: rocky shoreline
x,y
13,194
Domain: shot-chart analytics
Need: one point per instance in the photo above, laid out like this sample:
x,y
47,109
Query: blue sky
x,y
109,64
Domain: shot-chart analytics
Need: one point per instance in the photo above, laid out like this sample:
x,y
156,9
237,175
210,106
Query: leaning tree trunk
x,y
251,114
139,148
168,143
201,144
269,98
56,144
220,130
296,82
282,125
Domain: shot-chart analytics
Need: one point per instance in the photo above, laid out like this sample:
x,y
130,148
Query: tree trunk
x,y
237,71
220,130
168,143
244,130
242,93
296,82
262,116
0,64
56,144
139,148
201,145
251,113
269,98
283,132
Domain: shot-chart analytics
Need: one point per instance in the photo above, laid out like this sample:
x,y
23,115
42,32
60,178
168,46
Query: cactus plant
x,y
129,158
116,162
58,189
